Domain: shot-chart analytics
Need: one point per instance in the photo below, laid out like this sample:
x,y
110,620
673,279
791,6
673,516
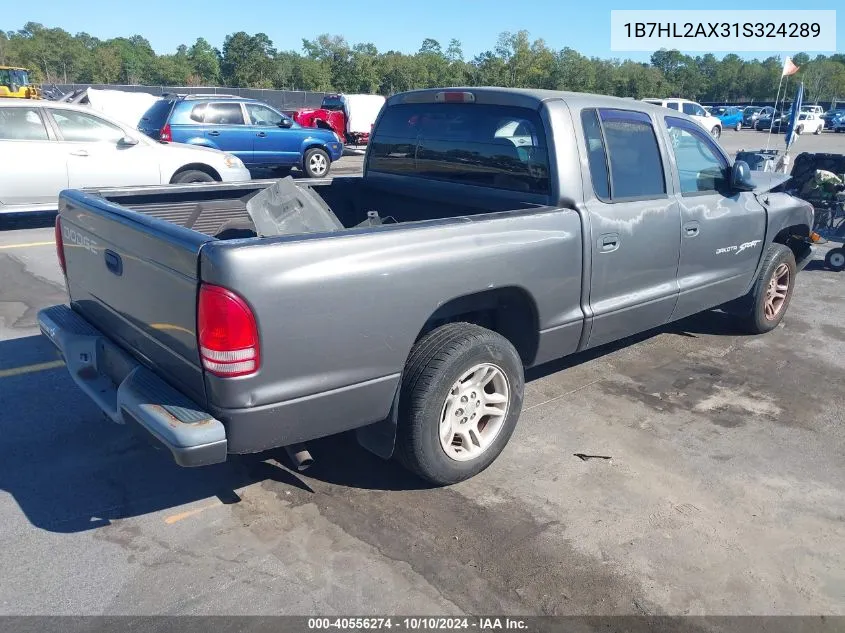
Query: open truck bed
x,y
220,209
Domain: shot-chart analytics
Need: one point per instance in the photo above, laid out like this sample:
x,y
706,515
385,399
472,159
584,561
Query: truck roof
x,y
524,97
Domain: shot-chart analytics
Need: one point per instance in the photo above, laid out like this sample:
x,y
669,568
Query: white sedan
x,y
46,147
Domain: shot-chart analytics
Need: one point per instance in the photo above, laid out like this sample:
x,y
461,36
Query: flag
x,y
789,68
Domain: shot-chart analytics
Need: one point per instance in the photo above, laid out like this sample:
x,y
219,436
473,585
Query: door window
x,y
22,124
224,114
701,166
635,168
693,109
82,127
262,115
672,105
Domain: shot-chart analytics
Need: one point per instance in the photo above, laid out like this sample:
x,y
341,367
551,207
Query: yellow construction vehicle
x,y
14,83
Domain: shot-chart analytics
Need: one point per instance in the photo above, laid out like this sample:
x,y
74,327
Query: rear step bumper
x,y
126,391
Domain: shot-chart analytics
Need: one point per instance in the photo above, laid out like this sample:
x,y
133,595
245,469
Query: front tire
x,y
835,259
316,163
799,130
460,400
769,299
818,130
716,132
191,175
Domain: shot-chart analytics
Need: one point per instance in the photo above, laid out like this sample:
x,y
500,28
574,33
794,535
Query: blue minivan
x,y
261,136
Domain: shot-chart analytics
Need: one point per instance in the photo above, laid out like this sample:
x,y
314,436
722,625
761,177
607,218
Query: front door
x,y
722,230
97,158
273,144
634,225
226,129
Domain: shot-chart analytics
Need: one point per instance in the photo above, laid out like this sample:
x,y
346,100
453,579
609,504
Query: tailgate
x,y
135,278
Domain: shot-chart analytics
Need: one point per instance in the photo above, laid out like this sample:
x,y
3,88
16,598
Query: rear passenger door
x,y
225,127
634,225
723,230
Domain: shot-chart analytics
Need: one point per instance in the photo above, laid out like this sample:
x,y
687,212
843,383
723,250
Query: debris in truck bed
x,y
286,209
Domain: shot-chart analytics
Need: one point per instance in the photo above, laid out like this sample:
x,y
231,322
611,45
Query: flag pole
x,y
771,125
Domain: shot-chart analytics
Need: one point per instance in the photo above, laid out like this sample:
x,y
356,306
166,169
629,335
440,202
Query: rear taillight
x,y
164,134
453,96
227,333
60,246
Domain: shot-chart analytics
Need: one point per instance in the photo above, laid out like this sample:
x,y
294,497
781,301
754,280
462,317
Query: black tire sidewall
x,y
829,257
426,405
306,159
192,175
778,254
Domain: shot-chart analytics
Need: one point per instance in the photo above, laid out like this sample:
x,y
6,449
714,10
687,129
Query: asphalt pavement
x,y
722,491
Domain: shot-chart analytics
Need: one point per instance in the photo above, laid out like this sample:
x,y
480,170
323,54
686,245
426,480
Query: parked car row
x,y
48,146
694,110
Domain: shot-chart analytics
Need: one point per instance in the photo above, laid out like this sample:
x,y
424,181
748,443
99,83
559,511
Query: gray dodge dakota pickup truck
x,y
519,226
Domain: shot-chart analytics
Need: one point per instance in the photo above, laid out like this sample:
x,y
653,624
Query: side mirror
x,y
286,123
741,176
127,141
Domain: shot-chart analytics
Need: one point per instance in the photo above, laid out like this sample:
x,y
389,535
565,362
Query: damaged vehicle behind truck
x,y
492,230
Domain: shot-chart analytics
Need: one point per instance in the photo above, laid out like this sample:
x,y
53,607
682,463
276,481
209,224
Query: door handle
x,y
113,262
691,229
214,133
79,152
609,242
262,134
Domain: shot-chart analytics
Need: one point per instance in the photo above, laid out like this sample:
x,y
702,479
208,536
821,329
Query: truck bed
x,y
219,210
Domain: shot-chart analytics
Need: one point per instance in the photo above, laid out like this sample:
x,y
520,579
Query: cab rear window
x,y
474,144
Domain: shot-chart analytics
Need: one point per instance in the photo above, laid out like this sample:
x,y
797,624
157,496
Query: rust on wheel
x,y
776,292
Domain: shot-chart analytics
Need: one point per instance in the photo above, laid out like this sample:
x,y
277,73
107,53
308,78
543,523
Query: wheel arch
x,y
509,311
197,167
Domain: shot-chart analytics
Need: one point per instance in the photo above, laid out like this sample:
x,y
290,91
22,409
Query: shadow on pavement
x,y
19,221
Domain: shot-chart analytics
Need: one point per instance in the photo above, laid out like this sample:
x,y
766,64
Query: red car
x,y
351,116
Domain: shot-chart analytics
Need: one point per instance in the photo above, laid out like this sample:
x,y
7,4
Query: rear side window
x,y
188,113
224,114
22,124
595,153
672,105
475,144
157,115
635,167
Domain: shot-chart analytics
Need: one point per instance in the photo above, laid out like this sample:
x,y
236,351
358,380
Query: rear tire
x,y
444,434
716,132
316,163
738,127
766,304
818,130
191,175
835,259
799,130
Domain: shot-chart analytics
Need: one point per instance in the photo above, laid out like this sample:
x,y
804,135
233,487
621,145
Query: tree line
x,y
330,63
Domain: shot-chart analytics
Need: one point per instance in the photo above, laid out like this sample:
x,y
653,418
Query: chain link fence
x,y
281,99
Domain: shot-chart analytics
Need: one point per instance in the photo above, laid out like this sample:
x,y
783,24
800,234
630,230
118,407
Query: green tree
x,y
205,63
